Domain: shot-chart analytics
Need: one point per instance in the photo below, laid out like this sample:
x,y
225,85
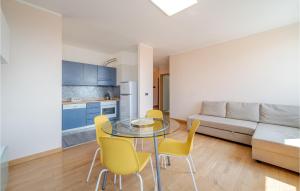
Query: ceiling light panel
x,y
171,7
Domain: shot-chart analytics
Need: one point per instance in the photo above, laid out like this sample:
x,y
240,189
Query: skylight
x,y
171,7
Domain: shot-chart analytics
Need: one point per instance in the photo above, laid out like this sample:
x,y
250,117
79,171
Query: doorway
x,y
164,92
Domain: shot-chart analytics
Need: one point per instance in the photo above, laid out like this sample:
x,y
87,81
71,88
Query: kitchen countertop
x,y
83,101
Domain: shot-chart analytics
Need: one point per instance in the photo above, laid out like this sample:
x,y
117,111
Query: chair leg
x,y
141,182
152,169
120,182
115,179
161,160
142,144
135,143
92,165
192,162
99,178
190,167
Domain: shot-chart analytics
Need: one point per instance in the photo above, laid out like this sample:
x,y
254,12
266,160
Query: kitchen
x,y
89,90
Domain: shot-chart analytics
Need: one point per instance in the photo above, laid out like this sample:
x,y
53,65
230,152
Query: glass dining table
x,y
141,128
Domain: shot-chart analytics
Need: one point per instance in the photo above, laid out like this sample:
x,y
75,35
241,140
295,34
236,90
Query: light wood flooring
x,y
221,166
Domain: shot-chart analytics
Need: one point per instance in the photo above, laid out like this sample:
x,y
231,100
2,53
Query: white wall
x,y
145,78
5,40
127,66
0,77
78,54
31,82
259,68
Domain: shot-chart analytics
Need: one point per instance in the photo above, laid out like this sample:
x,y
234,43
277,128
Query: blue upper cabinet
x,y
71,73
107,76
78,74
89,75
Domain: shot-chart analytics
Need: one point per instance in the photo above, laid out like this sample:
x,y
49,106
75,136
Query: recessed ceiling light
x,y
171,7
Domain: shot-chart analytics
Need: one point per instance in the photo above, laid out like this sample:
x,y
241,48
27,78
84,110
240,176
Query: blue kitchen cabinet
x,y
107,76
79,74
90,73
112,75
74,116
71,73
92,110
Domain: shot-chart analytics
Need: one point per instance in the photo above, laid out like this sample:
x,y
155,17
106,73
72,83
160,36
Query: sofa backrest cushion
x,y
280,115
214,108
243,111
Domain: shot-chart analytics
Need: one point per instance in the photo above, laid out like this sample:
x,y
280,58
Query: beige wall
x,y
260,68
31,82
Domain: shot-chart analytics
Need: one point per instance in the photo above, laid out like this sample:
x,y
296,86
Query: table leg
x,y
104,181
157,163
169,161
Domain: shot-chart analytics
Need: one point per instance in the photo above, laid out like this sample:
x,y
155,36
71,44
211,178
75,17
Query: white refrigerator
x,y
128,100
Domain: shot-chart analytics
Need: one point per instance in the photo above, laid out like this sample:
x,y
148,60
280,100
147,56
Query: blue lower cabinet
x,y
89,121
90,118
92,110
74,116
91,105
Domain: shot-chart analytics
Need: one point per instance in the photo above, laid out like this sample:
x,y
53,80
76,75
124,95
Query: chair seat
x,y
143,158
173,147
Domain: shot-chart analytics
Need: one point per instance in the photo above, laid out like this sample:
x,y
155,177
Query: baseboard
x,y
34,156
179,120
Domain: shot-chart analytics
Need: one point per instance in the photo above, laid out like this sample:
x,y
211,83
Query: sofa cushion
x,y
214,108
280,115
243,111
233,125
279,139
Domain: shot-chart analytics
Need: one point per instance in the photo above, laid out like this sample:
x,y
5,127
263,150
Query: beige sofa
x,y
272,130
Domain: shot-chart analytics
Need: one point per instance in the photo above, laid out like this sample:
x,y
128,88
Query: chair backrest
x,y
190,138
154,113
99,121
119,156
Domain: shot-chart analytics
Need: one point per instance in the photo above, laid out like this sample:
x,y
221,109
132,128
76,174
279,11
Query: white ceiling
x,y
114,25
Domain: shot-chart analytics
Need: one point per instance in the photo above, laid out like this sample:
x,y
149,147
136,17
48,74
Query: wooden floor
x,y
221,166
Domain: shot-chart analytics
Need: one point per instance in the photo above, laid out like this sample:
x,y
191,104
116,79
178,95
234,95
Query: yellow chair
x,y
99,122
171,147
153,113
120,158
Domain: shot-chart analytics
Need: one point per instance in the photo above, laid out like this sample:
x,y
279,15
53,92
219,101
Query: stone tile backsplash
x,y
86,92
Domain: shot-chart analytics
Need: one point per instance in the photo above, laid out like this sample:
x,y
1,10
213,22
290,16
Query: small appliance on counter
x,y
107,96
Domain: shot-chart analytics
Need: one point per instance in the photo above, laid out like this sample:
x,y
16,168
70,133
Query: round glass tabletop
x,y
141,128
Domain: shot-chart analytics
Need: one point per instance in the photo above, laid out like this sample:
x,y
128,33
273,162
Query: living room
x,y
131,95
